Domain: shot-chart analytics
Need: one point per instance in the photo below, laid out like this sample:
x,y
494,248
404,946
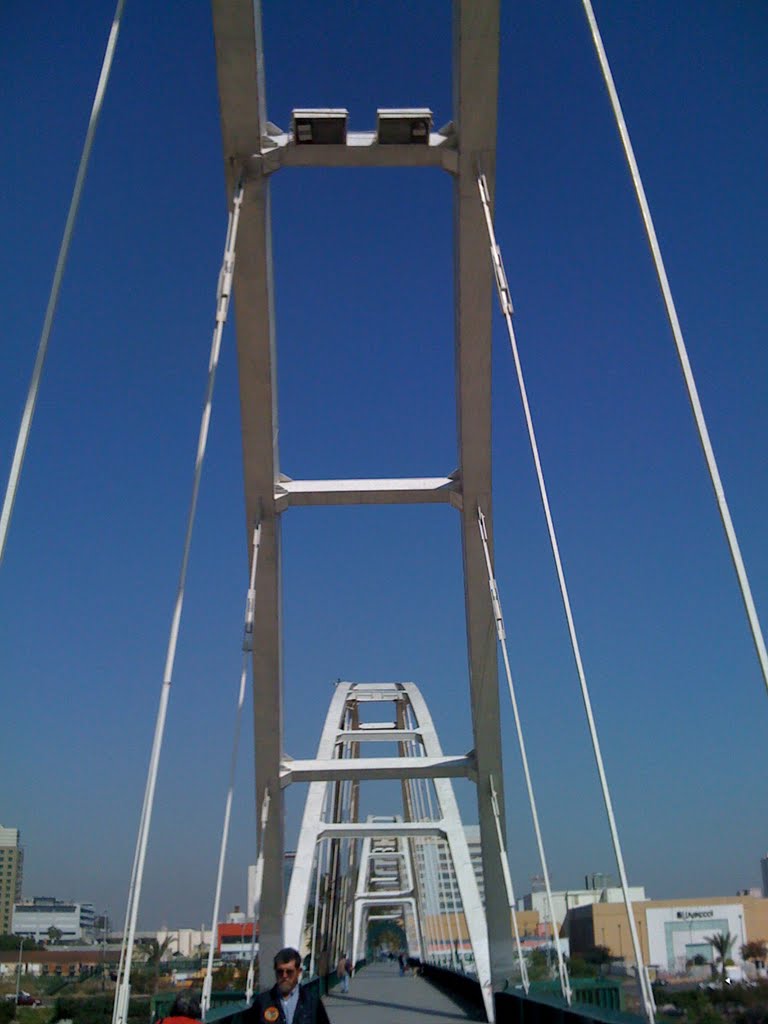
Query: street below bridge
x,y
379,995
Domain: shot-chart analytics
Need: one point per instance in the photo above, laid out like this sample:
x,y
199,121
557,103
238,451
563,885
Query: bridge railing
x,y
596,1001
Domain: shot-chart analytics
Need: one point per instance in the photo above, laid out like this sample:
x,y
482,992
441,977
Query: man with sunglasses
x,y
287,1002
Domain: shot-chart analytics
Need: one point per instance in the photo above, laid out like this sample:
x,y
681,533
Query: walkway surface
x,y
378,995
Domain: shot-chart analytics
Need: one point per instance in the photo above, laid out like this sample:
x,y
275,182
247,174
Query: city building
x,y
598,888
437,878
59,961
671,932
11,874
235,938
186,942
35,918
764,873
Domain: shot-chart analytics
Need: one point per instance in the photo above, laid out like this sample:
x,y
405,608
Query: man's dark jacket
x,y
309,1009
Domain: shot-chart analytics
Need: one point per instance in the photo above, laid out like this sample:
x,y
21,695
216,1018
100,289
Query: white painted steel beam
x,y
374,830
240,71
475,85
397,491
360,768
301,876
361,150
379,735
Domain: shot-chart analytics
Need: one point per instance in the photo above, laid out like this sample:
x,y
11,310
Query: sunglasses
x,y
288,971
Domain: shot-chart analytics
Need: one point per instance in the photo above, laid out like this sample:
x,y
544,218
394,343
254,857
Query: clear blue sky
x,y
364,326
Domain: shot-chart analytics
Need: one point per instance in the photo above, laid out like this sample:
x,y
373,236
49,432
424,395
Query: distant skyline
x,y
364,322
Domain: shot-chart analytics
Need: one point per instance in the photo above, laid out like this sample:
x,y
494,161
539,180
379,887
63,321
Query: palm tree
x,y
154,952
721,942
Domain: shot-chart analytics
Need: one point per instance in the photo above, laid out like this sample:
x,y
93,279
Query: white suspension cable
x,y
416,815
432,924
256,908
124,941
426,925
224,289
509,887
58,274
315,915
455,898
250,601
565,985
682,352
506,308
444,925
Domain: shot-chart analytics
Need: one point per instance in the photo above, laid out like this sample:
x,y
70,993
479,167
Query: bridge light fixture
x,y
326,127
410,126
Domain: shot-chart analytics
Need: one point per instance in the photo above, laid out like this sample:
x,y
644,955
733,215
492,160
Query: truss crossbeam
x,y
374,830
364,768
402,491
361,150
379,735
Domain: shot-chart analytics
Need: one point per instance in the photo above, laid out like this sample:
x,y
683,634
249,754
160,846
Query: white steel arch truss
x,y
358,866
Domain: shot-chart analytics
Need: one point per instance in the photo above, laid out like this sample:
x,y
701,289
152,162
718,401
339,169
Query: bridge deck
x,y
378,995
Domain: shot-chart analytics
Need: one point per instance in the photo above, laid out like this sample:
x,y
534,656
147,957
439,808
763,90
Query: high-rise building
x,y
11,874
764,871
437,877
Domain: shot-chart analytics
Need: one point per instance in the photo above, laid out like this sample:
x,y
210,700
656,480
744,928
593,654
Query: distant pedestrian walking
x,y
343,971
401,961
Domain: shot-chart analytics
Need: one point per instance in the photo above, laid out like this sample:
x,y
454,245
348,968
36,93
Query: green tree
x,y
598,955
579,967
721,942
54,934
8,942
538,965
756,951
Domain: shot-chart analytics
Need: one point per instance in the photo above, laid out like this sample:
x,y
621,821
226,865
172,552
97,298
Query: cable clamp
x,y
497,610
501,281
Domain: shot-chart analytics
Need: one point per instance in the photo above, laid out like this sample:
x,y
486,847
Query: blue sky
x,y
365,362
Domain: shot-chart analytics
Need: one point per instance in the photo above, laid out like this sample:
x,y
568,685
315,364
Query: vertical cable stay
x,y
509,887
223,293
258,882
565,984
205,1001
643,984
682,352
58,274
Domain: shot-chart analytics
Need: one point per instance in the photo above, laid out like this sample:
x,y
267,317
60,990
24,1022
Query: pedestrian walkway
x,y
378,995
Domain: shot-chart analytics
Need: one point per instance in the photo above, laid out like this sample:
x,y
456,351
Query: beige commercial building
x,y
671,932
11,873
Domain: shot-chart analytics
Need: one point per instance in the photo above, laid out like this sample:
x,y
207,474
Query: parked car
x,y
24,999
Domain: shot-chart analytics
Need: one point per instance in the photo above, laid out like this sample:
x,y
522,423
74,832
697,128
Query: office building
x,y
34,919
564,900
671,932
11,874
